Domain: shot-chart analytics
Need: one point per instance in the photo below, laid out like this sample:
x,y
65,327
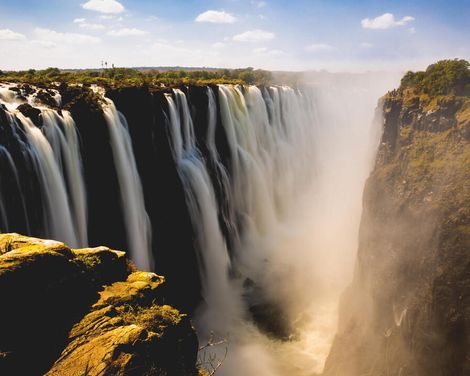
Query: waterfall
x,y
270,135
132,198
9,180
213,256
272,185
58,216
291,188
54,150
62,136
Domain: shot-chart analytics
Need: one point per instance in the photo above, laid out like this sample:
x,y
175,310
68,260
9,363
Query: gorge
x,y
247,199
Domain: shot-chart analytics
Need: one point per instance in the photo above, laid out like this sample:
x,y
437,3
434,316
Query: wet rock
x,y
46,98
268,314
31,112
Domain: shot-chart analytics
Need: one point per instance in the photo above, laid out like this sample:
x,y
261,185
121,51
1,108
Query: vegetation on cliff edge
x,y
116,77
446,77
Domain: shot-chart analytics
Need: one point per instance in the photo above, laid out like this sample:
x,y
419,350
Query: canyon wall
x,y
407,310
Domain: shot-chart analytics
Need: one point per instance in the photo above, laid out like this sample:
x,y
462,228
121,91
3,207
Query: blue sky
x,y
336,35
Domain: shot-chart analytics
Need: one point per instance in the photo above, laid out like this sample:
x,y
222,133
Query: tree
x,y
442,78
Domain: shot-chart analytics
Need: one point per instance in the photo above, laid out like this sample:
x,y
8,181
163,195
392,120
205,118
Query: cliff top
x,y
446,77
118,77
443,86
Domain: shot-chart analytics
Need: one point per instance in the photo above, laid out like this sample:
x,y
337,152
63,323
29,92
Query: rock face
x,y
86,312
407,311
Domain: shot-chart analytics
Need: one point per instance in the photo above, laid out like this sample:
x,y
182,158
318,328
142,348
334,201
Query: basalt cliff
x,y
407,311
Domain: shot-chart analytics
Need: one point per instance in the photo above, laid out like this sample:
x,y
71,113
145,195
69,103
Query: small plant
x,y
209,362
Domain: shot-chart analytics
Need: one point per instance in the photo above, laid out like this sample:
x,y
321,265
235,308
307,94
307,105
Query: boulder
x,y
31,112
126,333
87,311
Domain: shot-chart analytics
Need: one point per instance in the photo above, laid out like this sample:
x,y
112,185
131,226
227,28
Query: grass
x,y
154,318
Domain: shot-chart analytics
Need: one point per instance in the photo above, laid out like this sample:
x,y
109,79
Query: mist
x,y
299,262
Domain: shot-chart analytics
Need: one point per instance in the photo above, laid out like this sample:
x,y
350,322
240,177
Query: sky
x,y
333,35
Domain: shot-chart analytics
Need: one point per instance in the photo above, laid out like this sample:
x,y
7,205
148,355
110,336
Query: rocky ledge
x,y
86,312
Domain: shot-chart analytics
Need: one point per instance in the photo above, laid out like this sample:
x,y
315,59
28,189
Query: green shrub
x,y
113,77
446,77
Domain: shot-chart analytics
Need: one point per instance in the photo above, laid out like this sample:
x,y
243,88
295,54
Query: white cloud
x,y
366,45
276,52
104,6
259,4
320,47
218,45
127,32
215,16
90,26
260,50
58,37
152,19
170,50
7,34
385,21
267,51
254,36
44,43
412,30
79,20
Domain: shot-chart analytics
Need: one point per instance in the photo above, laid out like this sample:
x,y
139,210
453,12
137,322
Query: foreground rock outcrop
x,y
86,312
407,311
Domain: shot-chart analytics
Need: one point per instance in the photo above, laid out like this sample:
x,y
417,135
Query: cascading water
x,y
212,250
54,152
62,136
132,198
58,217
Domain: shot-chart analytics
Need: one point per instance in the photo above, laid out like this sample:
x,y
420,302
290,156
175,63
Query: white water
x,y
62,136
132,197
299,162
56,152
61,174
57,215
213,256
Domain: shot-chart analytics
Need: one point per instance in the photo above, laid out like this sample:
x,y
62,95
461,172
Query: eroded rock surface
x,y
87,311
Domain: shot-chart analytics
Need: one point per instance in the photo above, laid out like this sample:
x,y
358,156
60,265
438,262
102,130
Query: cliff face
x,y
407,311
86,312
